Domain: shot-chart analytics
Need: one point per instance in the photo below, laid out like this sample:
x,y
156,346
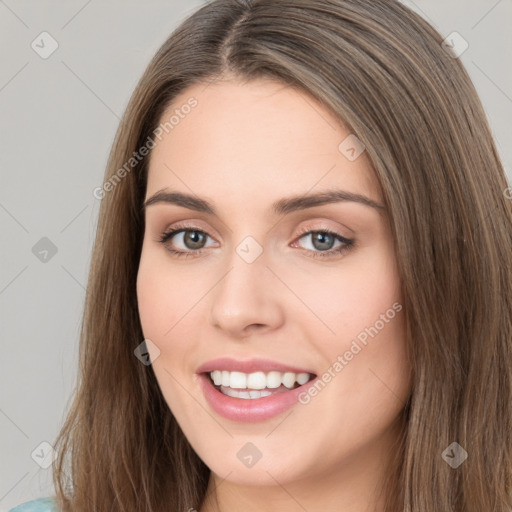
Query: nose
x,y
247,299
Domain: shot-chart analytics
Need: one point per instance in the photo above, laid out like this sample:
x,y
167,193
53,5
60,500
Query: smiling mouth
x,y
258,384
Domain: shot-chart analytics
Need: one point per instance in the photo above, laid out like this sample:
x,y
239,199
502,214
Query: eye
x,y
193,238
323,240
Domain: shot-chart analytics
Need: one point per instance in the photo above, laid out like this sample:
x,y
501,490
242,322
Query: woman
x,y
232,361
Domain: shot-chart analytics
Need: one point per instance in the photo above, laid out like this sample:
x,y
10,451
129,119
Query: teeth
x,y
257,380
247,394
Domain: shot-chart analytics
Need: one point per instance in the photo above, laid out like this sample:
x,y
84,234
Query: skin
x,y
243,147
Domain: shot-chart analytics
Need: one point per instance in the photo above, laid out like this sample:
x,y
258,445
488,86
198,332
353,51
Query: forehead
x,y
261,137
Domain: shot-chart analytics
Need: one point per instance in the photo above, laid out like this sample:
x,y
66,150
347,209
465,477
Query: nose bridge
x,y
244,295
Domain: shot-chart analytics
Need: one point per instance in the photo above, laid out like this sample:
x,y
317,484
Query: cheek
x,y
160,302
156,296
351,296
166,298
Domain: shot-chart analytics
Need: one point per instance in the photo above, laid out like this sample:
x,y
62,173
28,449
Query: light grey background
x,y
57,123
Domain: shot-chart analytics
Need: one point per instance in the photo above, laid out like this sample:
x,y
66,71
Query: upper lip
x,y
248,366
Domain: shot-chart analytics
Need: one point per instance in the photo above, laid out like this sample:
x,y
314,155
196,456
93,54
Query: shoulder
x,y
39,505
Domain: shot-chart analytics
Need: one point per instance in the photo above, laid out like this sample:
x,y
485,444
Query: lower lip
x,y
250,410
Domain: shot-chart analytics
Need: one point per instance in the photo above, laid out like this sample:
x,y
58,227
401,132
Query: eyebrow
x,y
280,207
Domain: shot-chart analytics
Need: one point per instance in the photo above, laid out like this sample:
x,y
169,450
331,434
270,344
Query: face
x,y
307,290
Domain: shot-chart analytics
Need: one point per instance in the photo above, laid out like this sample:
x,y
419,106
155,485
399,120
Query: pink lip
x,y
248,366
247,410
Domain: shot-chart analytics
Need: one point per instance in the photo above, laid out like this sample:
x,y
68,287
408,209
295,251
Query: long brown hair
x,y
381,69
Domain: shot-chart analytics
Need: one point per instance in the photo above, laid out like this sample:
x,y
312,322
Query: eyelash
x,y
348,243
